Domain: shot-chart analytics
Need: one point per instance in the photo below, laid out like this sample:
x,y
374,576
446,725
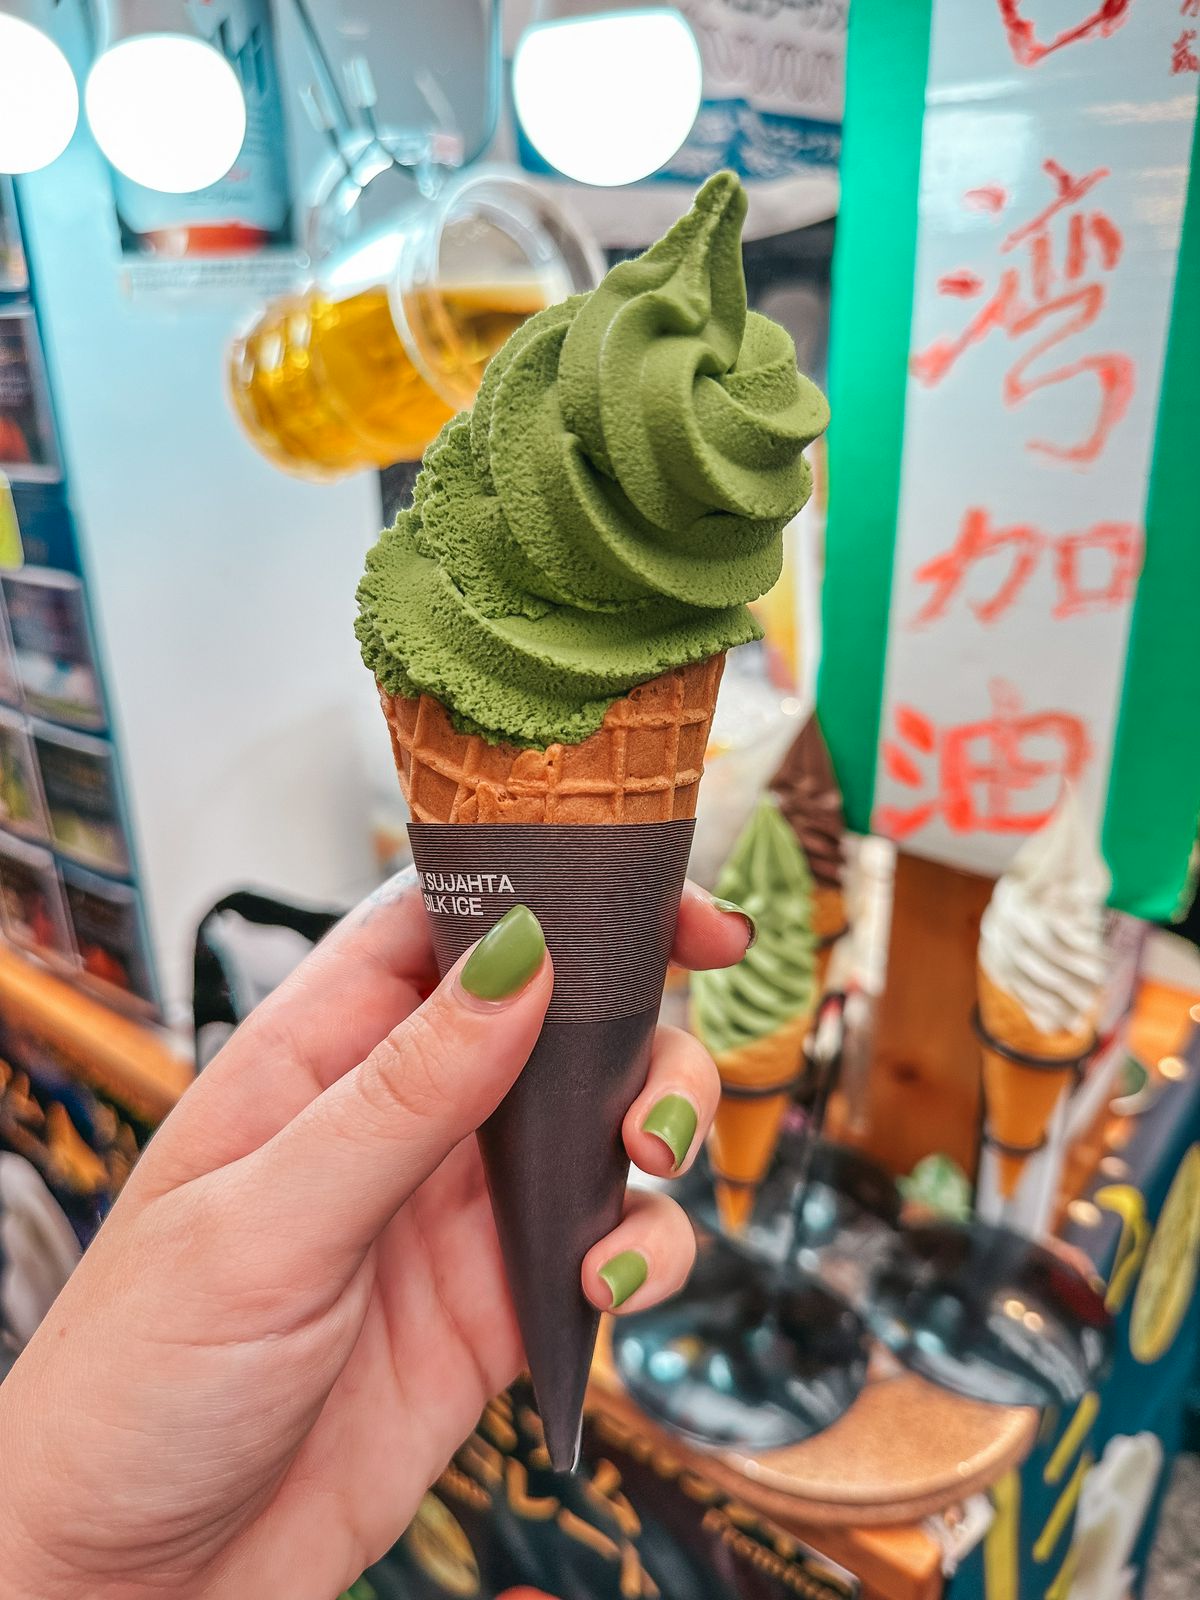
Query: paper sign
x,y
1053,179
1050,222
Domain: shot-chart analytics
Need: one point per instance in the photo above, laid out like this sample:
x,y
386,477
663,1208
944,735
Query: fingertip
x,y
670,1128
510,959
710,932
646,1259
667,1124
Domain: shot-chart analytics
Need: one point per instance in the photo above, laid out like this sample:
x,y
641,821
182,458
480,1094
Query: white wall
x,y
222,591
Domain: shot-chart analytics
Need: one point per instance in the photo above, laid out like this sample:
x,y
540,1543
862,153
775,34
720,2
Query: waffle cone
x,y
1019,1100
745,1132
829,910
643,764
829,922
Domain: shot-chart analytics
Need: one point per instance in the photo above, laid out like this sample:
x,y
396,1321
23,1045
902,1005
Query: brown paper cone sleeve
x,y
1020,1099
607,900
594,839
757,1083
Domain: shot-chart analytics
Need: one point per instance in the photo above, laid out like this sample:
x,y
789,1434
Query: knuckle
x,y
685,1054
678,1235
411,1072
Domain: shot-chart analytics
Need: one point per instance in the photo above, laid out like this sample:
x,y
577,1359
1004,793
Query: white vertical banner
x,y
1054,174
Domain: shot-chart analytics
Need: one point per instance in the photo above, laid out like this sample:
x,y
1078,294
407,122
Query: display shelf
x,y
900,1561
905,1450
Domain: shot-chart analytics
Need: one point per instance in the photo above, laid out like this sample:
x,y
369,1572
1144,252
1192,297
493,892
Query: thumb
x,y
355,1154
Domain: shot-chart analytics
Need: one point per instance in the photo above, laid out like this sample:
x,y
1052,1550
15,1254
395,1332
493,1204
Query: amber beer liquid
x,y
325,386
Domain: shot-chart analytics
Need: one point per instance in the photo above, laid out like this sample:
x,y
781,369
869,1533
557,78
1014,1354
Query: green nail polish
x,y
624,1274
507,956
731,908
673,1120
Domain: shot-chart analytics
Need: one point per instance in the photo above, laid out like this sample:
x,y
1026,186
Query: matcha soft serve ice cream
x,y
616,496
547,625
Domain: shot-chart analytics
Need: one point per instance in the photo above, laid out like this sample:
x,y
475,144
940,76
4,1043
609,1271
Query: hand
x,y
297,1309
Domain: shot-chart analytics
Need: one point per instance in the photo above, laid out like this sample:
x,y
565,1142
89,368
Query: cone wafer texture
x,y
745,1130
643,765
829,912
1020,1100
829,923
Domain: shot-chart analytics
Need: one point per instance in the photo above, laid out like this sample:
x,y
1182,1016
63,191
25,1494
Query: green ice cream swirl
x,y
615,497
767,876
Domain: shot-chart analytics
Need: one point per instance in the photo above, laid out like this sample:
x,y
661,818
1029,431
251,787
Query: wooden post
x,y
923,1095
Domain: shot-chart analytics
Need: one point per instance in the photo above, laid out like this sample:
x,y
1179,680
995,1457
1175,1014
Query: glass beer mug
x,y
390,339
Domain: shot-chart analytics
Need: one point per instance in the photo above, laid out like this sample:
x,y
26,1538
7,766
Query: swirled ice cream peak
x,y
615,497
1042,934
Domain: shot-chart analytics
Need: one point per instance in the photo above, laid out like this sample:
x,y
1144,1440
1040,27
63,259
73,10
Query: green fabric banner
x,y
1154,790
873,271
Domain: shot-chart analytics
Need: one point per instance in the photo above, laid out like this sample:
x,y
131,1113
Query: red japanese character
x,y
1190,8
1183,57
1028,49
990,196
981,771
1052,307
1116,549
1120,543
977,540
964,285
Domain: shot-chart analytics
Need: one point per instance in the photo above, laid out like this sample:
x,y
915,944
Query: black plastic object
x,y
846,1197
989,1314
739,1360
232,969
757,1352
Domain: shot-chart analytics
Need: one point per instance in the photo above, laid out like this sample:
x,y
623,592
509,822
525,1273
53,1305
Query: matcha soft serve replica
x,y
547,626
755,1017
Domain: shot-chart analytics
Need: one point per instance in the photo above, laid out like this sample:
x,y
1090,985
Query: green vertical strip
x,y
1154,787
873,271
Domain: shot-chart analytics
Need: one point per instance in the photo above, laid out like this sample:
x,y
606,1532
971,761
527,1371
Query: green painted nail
x,y
731,908
507,956
673,1120
624,1274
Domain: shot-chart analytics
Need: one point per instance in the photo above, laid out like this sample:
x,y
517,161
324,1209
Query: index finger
x,y
364,977
368,973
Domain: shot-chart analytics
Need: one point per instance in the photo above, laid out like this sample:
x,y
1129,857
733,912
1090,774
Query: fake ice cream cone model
x,y
547,628
1041,972
754,1017
811,800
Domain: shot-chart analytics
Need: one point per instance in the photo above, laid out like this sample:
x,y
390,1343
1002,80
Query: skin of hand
x,y
297,1310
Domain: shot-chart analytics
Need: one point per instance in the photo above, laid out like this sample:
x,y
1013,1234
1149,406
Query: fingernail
x,y
731,908
673,1120
507,956
624,1274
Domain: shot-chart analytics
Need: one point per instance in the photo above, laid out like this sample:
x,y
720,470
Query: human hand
x,y
297,1309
